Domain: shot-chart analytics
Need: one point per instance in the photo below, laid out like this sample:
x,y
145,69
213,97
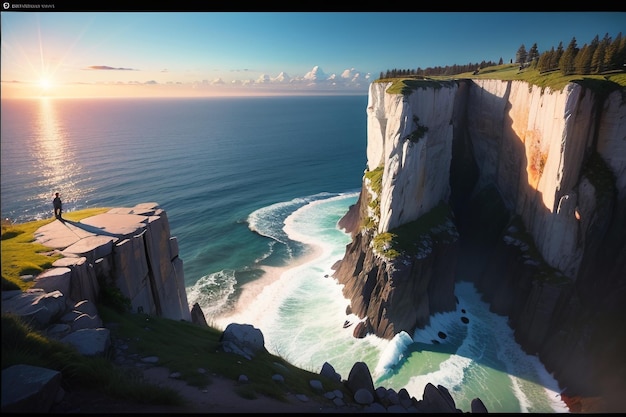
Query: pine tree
x,y
620,58
520,56
543,64
566,63
556,57
533,55
621,54
597,61
582,62
611,53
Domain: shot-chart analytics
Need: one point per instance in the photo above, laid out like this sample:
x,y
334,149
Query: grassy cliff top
x,y
554,80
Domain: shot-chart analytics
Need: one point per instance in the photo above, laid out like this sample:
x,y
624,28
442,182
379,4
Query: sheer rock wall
x,y
536,183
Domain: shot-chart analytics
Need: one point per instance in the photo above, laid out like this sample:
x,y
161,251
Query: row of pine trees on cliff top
x,y
598,57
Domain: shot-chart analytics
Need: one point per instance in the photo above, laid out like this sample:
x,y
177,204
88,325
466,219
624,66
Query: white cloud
x,y
316,74
282,78
349,80
264,79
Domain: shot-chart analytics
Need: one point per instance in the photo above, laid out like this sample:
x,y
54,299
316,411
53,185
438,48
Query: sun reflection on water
x,y
58,165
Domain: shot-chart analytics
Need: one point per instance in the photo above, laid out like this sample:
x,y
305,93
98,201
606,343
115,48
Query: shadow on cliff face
x,y
566,322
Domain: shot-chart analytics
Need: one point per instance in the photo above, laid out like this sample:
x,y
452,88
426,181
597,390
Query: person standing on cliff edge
x,y
58,206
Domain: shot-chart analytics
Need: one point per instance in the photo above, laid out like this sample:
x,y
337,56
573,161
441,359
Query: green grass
x,y
21,255
510,72
22,344
375,178
406,85
384,244
186,347
407,238
180,346
553,80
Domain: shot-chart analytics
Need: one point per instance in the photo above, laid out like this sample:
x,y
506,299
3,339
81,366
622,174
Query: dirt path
x,y
219,397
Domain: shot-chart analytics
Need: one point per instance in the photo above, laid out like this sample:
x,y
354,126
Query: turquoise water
x,y
252,187
302,314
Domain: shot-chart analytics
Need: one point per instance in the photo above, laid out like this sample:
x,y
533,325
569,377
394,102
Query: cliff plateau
x,y
521,191
129,248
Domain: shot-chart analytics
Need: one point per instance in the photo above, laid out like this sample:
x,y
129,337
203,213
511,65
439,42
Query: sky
x,y
175,53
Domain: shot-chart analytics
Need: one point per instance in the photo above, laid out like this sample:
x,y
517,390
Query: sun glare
x,y
45,84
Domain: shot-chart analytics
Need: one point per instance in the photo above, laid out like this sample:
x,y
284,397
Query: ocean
x,y
253,189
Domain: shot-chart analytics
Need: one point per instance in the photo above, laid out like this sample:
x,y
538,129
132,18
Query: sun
x,y
45,83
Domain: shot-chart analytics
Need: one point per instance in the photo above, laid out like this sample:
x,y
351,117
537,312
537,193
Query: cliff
x,y
126,248
515,188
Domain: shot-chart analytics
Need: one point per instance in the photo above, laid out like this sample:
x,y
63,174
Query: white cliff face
x,y
377,117
612,138
531,143
412,182
534,153
528,142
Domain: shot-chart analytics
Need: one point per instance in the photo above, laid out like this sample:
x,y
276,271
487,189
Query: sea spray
x,y
393,355
213,293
